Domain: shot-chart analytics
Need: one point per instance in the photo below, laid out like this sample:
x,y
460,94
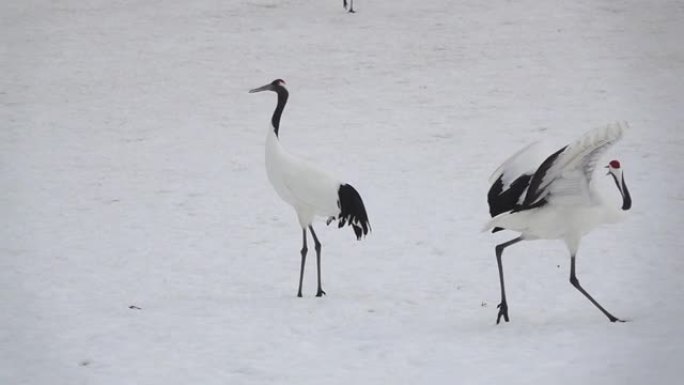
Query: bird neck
x,y
626,198
282,100
274,150
624,191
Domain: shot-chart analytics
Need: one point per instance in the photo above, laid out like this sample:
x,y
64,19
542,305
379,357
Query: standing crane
x,y
309,190
555,199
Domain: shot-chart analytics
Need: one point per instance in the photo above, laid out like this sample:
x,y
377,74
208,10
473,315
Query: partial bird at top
x,y
351,5
555,198
309,190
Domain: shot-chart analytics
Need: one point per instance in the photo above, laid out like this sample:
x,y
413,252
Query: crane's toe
x,y
320,293
503,312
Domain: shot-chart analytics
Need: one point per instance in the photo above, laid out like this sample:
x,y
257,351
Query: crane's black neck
x,y
626,197
282,100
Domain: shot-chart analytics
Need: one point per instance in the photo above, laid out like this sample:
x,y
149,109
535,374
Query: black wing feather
x,y
535,191
500,200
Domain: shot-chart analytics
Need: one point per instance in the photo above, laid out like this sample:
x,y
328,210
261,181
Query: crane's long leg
x,y
351,5
503,306
317,245
576,284
301,270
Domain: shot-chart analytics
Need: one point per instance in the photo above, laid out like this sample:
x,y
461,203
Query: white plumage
x,y
308,189
525,161
555,199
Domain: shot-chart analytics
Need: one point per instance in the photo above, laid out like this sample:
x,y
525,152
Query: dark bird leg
x,y
576,284
351,5
301,271
503,306
317,246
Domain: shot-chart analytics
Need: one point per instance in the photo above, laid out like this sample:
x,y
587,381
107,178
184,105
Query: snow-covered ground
x,y
132,175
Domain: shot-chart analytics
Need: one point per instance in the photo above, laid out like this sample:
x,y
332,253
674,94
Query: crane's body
x,y
555,199
309,190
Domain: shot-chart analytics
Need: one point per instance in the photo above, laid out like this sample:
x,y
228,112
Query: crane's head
x,y
275,86
615,170
614,167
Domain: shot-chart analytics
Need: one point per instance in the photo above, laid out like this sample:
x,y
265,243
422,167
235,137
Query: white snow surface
x,y
132,171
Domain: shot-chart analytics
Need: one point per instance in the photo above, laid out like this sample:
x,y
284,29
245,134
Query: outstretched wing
x,y
510,181
565,175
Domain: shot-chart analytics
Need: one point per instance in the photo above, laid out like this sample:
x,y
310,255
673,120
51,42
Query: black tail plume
x,y
352,211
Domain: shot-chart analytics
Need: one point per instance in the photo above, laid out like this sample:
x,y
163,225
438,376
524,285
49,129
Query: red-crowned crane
x,y
555,199
309,190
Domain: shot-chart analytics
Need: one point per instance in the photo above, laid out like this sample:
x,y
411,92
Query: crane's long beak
x,y
267,87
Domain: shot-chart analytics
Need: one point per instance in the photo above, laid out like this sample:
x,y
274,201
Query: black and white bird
x,y
351,5
309,190
553,198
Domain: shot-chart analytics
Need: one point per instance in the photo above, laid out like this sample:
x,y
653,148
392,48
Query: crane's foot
x,y
299,294
351,11
615,319
503,312
320,293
